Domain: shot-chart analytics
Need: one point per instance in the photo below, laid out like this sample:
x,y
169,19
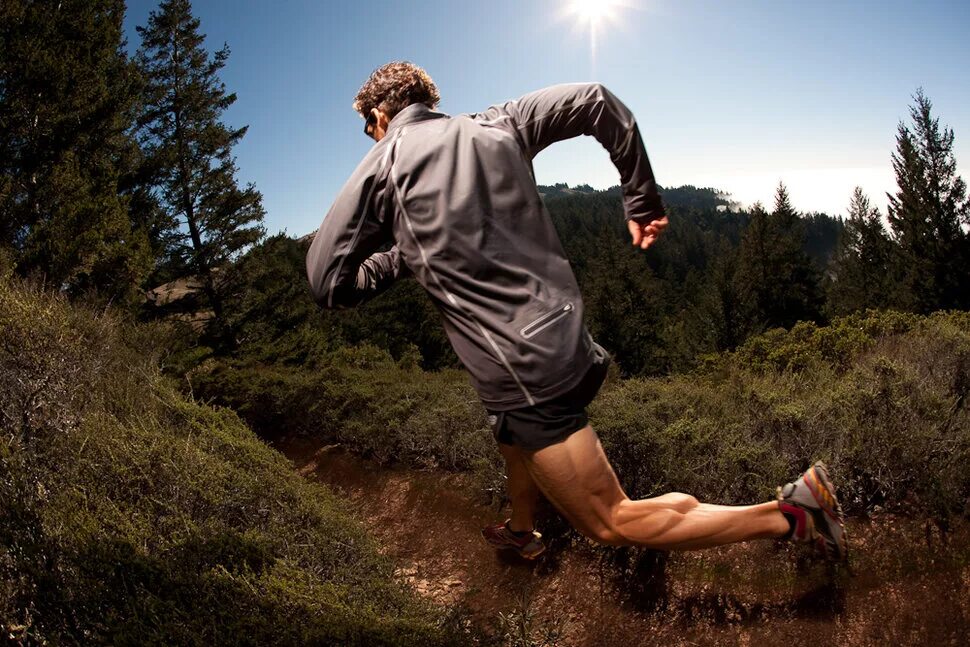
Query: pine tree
x,y
863,264
720,302
928,215
624,305
66,96
776,280
784,216
211,219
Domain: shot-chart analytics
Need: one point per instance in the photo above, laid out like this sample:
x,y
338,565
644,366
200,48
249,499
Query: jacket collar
x,y
413,113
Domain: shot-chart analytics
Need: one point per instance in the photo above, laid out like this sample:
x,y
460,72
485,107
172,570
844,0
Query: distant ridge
x,y
687,196
560,189
683,197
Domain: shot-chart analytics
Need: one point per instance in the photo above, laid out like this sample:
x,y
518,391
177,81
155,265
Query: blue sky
x,y
736,95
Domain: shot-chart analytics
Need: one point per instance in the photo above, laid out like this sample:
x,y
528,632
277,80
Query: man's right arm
x,y
343,265
568,110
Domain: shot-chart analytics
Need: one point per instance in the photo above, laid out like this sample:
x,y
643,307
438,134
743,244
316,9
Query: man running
x,y
455,198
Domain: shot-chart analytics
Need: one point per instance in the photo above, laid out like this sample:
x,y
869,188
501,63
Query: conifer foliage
x,y
864,262
189,151
776,281
67,91
928,214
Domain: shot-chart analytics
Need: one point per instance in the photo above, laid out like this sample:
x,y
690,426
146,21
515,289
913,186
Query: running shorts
x,y
550,422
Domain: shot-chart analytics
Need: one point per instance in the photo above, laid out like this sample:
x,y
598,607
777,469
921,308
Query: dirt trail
x,y
911,586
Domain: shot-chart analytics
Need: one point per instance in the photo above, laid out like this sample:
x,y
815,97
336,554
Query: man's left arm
x,y
567,110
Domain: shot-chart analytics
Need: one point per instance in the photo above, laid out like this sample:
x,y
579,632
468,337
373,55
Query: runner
x,y
455,199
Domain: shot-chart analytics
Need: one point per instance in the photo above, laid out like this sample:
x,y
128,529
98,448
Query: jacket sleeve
x,y
343,264
568,110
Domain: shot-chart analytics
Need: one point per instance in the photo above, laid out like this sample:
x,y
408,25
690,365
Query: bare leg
x,y
577,478
521,488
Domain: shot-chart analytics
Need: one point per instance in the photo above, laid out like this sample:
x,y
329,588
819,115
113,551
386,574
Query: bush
x,y
807,345
359,397
131,514
880,398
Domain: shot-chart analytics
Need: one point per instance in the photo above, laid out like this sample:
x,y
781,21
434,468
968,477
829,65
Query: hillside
x,y
132,514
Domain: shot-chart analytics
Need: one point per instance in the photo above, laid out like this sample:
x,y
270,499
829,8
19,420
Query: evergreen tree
x,y
189,151
624,306
776,280
822,233
66,97
863,264
714,321
753,271
928,215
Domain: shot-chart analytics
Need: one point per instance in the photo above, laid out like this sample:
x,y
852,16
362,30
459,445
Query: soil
x,y
909,582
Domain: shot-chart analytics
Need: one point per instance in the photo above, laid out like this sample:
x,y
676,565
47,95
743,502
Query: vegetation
x,y
67,96
359,397
777,284
864,262
929,215
879,396
130,514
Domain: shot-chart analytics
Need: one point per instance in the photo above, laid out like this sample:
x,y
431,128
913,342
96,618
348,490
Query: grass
x,y
130,513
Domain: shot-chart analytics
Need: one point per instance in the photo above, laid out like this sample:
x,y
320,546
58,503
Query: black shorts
x,y
549,422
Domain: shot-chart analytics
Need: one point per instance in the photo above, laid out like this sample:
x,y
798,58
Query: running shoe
x,y
811,502
527,545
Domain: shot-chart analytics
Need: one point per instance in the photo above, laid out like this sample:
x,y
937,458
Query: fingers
x,y
656,227
645,234
636,232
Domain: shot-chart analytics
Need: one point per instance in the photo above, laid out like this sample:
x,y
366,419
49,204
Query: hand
x,y
645,233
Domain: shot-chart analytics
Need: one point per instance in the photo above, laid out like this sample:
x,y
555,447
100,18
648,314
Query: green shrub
x,y
880,396
359,397
882,399
129,514
807,345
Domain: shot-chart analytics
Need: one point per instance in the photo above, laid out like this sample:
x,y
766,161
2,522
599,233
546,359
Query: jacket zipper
x,y
546,320
451,298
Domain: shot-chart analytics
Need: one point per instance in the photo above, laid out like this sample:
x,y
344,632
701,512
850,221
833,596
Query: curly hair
x,y
393,87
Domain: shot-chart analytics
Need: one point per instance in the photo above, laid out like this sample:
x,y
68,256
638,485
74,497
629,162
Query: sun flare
x,y
592,10
592,16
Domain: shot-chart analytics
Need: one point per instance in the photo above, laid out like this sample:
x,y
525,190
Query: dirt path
x,y
910,587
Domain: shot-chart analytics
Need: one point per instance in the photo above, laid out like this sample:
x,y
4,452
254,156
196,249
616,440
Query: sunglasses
x,y
369,125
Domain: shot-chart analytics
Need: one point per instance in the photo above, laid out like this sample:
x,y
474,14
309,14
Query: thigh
x,y
577,478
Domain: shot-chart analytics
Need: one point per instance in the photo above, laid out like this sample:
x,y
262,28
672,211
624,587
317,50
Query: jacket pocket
x,y
536,326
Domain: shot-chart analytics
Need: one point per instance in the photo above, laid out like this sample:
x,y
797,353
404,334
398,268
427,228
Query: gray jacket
x,y
457,198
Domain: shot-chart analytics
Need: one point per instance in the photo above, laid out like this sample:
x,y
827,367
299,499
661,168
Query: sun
x,y
592,10
591,16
